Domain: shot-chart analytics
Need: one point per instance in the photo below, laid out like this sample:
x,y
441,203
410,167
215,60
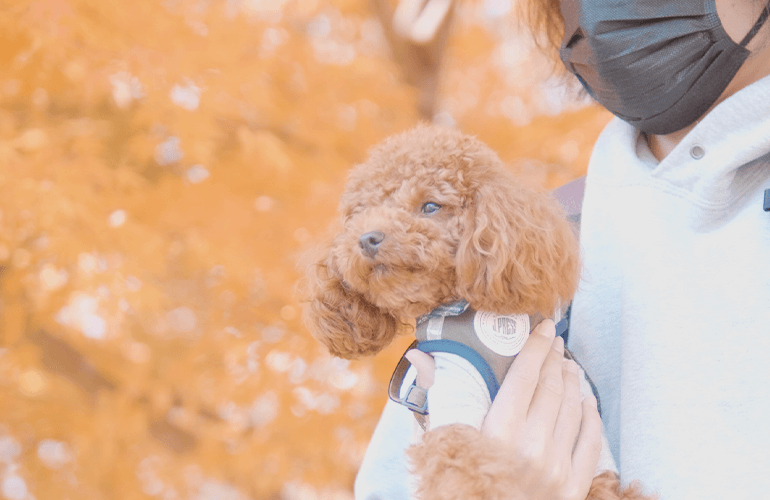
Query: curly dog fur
x,y
497,244
456,462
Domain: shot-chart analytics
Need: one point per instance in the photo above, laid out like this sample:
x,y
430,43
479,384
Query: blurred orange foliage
x,y
162,164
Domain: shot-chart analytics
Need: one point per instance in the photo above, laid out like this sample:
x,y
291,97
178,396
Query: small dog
x,y
432,217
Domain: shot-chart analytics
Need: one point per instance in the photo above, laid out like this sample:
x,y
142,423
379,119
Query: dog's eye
x,y
430,208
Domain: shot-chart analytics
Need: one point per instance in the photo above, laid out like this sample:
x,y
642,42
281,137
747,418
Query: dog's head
x,y
432,216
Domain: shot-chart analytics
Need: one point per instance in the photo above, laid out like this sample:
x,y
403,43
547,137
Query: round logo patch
x,y
504,335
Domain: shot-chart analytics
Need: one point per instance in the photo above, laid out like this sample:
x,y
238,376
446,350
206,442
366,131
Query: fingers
x,y
589,445
549,393
425,366
520,382
568,422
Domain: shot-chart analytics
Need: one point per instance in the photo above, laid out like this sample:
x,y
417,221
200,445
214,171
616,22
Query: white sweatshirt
x,y
672,319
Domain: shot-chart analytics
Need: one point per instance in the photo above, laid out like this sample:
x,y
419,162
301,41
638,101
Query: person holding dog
x,y
673,310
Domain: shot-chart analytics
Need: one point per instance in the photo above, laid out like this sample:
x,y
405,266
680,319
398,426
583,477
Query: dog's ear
x,y
340,318
518,253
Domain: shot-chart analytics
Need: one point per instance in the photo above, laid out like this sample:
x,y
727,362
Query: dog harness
x,y
489,341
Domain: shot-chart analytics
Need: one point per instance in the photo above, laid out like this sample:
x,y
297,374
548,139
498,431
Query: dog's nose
x,y
370,242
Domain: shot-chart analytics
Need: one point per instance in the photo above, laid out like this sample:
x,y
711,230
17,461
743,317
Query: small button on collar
x,y
697,152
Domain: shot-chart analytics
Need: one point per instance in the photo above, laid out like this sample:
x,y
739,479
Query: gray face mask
x,y
657,64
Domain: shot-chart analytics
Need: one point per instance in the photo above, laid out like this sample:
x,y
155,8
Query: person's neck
x,y
662,145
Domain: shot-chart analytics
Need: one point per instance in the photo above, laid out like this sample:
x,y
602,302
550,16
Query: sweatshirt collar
x,y
723,156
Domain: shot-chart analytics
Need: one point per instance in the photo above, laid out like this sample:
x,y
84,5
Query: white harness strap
x,y
435,326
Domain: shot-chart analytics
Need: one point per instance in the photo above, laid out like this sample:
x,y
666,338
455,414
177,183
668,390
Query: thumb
x,y
425,366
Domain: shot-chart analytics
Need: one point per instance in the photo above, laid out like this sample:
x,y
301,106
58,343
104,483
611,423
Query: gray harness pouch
x,y
496,338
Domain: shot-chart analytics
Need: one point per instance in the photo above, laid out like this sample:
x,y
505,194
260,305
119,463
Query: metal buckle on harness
x,y
416,398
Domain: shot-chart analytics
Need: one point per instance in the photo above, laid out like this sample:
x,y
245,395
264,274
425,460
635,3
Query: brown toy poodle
x,y
431,217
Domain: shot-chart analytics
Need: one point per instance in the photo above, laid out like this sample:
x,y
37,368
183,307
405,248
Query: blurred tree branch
x,y
417,32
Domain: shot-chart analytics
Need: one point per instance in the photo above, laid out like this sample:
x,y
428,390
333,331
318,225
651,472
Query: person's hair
x,y
544,21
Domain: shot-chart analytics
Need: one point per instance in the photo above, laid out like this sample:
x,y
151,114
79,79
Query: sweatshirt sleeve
x,y
383,474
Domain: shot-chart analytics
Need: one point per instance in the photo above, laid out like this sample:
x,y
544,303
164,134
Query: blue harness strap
x,y
562,327
465,352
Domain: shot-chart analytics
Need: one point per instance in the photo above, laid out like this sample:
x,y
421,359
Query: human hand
x,y
551,439
554,439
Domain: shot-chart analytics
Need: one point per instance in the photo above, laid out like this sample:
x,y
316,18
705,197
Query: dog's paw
x,y
606,486
455,462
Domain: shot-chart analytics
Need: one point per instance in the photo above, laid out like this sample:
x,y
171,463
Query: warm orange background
x,y
162,165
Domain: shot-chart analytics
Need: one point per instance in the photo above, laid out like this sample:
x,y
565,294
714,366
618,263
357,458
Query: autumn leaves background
x,y
162,165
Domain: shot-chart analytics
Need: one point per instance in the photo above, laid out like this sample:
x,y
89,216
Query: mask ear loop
x,y
757,26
